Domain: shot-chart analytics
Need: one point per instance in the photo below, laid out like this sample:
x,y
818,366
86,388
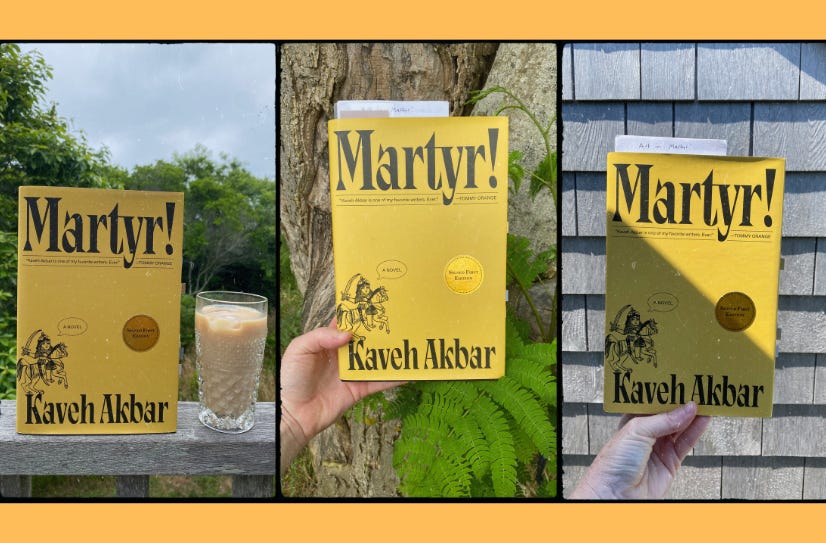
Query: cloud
x,y
147,101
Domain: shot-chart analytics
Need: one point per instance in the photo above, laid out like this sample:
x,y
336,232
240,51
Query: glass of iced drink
x,y
230,334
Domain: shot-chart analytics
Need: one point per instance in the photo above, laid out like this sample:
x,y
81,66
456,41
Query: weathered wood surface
x,y
192,450
667,71
567,197
820,379
762,478
729,121
644,119
748,71
813,71
589,130
590,203
796,131
795,430
606,71
814,479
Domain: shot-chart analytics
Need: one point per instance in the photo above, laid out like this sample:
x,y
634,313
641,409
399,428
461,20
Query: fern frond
x,y
466,434
442,448
515,170
464,393
429,462
482,488
535,377
503,459
522,444
525,266
516,333
544,175
543,353
451,477
415,451
475,448
526,410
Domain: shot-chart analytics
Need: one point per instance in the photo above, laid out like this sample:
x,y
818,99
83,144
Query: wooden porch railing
x,y
193,450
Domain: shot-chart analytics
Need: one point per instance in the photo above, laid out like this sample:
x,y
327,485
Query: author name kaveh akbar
x,y
110,409
437,353
716,390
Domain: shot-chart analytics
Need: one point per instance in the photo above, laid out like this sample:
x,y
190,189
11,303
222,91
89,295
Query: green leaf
x,y
526,410
516,333
534,376
516,172
525,267
503,459
544,176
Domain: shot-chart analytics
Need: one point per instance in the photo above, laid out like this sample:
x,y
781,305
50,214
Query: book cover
x,y
419,213
692,268
98,310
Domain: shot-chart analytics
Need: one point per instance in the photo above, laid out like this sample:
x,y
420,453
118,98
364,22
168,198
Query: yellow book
x,y
98,310
693,260
419,240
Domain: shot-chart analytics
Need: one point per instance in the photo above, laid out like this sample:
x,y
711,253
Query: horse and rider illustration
x,y
42,365
362,308
632,343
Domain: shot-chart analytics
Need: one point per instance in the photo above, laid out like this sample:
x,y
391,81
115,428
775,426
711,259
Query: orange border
x,y
413,522
423,19
156,20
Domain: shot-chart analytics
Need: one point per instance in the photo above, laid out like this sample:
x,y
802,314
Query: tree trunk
x,y
352,458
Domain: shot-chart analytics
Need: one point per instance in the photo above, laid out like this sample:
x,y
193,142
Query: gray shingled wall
x,y
765,99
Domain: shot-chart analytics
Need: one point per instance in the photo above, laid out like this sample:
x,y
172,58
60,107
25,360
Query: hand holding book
x,y
312,394
643,457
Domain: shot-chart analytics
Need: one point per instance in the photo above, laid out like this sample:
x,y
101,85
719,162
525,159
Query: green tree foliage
x,y
36,147
229,217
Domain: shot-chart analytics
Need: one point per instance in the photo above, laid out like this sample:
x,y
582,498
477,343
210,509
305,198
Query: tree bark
x,y
352,458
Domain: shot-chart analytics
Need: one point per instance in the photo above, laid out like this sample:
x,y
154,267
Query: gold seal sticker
x,y
464,274
140,333
735,311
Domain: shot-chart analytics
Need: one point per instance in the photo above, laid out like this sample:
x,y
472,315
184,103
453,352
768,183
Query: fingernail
x,y
690,406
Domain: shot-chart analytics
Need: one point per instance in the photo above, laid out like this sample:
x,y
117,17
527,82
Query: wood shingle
x,y
750,71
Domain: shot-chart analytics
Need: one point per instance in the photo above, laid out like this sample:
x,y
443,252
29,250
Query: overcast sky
x,y
147,101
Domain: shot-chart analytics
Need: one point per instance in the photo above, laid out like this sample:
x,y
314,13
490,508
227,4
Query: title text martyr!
x,y
78,233
673,202
391,168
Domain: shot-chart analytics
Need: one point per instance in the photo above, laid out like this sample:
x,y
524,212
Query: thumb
x,y
317,341
664,424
